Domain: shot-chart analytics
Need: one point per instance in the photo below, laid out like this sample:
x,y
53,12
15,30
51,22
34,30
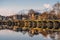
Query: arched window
x,y
56,26
9,23
39,24
34,24
30,24
44,24
50,24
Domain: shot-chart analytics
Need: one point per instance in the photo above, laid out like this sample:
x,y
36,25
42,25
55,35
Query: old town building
x,y
43,16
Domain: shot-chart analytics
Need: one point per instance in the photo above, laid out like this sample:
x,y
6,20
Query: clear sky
x,y
9,7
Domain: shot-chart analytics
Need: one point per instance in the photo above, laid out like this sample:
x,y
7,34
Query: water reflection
x,y
12,35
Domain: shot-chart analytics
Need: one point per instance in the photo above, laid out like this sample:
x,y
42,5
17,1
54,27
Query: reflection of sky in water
x,y
11,35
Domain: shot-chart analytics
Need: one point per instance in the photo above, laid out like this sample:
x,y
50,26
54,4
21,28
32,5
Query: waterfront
x,y
29,20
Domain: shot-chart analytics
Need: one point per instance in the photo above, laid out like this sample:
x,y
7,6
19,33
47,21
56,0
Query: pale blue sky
x,y
16,5
26,3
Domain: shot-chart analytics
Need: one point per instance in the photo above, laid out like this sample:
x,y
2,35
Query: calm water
x,y
12,35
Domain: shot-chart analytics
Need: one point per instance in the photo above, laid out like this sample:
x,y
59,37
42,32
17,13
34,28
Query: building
x,y
31,14
17,17
43,16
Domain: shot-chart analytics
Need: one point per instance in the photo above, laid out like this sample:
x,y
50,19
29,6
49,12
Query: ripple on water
x,y
12,35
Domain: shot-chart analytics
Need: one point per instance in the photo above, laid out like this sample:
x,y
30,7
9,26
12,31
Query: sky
x,y
10,7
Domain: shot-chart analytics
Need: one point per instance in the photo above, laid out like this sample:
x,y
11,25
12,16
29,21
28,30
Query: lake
x,y
12,35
